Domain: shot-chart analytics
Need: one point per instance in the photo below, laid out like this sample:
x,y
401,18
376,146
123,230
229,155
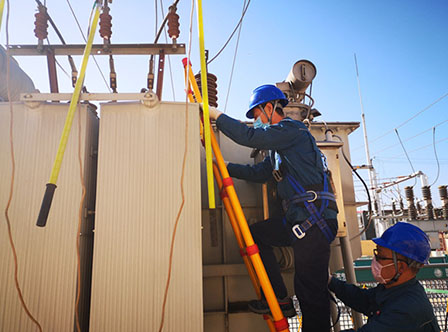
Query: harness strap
x,y
315,215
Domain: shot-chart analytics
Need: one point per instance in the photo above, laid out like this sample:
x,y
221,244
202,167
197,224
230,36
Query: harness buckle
x,y
277,175
314,198
298,232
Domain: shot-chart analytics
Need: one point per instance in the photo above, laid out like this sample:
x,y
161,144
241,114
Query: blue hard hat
x,y
407,240
263,94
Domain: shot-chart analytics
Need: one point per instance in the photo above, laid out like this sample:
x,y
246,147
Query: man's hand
x,y
214,113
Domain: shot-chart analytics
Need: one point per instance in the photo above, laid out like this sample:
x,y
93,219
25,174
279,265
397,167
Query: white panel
x,y
138,197
46,256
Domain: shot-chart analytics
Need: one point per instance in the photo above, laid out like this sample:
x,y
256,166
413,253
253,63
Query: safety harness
x,y
308,198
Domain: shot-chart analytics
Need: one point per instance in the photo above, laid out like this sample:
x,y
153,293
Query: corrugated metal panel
x,y
138,197
47,256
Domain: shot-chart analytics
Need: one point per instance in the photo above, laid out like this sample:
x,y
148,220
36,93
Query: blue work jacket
x,y
404,308
299,153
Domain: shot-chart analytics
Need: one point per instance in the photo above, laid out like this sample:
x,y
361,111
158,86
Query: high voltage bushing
x,y
211,87
409,192
444,198
426,192
173,24
105,24
41,24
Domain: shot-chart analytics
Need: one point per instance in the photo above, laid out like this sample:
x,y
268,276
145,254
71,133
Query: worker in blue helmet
x,y
399,302
307,222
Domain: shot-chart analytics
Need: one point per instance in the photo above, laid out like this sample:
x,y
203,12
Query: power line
x,y
409,138
82,33
234,61
231,35
406,121
435,153
412,167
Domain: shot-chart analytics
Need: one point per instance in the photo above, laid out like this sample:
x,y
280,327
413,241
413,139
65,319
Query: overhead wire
x,y
412,137
85,40
407,156
173,237
435,153
231,35
406,121
13,171
234,61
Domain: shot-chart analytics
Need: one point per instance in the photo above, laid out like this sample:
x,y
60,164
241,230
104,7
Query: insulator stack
x,y
173,24
211,87
41,24
394,209
426,192
444,198
106,24
409,192
401,205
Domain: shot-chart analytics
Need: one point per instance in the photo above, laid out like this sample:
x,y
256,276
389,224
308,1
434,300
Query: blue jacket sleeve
x,y
361,300
260,172
274,137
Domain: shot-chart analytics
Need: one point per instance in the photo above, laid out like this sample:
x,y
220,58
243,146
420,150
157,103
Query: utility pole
x,y
372,174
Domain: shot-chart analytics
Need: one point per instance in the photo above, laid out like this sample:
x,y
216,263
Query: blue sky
x,y
401,47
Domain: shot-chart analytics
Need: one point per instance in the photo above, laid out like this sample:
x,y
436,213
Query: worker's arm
x,y
361,300
260,172
274,137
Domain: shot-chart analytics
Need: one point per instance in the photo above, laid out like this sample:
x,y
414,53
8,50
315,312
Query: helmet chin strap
x,y
272,114
397,274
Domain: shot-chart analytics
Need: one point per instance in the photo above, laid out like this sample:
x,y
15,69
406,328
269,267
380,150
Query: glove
x,y
214,113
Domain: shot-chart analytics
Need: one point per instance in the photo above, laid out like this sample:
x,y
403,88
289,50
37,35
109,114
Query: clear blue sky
x,y
401,46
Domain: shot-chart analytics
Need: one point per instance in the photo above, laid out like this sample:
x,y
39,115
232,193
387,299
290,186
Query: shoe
x,y
262,307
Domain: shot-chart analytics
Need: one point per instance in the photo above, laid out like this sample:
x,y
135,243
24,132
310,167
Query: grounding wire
x,y
13,171
435,153
407,156
365,187
169,58
83,36
231,35
234,61
409,138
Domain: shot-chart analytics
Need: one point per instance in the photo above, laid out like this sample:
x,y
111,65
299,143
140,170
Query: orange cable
x,y
13,171
165,295
78,254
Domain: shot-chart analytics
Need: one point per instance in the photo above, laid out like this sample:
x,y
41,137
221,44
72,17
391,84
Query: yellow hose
x,y
208,149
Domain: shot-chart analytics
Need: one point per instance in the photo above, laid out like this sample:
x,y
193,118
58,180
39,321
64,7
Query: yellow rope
x,y
2,5
207,139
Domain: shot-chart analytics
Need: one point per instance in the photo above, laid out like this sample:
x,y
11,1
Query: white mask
x,y
376,271
259,124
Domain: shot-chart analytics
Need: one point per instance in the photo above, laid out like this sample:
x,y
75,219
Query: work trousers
x,y
311,258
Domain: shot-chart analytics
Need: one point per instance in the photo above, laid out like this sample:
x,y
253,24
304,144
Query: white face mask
x,y
376,271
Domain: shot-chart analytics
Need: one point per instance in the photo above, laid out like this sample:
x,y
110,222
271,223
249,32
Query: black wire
x,y
231,35
366,188
435,153
407,156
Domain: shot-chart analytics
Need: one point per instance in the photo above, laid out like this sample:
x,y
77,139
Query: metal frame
x,y
98,49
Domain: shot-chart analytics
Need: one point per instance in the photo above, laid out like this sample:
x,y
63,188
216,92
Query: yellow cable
x,y
208,147
74,101
2,5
